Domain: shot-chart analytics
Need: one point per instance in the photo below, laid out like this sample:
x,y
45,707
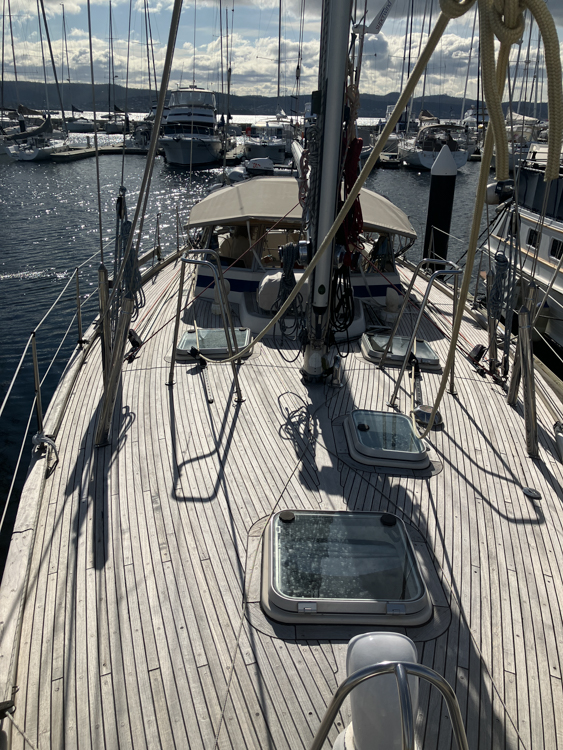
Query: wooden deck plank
x,y
139,560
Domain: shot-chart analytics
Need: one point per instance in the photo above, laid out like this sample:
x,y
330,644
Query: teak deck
x,y
134,632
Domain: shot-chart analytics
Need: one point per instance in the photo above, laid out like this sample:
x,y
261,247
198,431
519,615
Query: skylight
x,y
341,567
373,346
211,342
380,438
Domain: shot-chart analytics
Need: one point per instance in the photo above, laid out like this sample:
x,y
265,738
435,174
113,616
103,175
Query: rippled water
x,y
49,226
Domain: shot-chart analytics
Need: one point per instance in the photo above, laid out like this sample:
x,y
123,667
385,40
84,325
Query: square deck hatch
x,y
380,438
211,342
373,346
341,567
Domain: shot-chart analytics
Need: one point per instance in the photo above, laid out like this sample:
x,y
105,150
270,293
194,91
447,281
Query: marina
x,y
292,484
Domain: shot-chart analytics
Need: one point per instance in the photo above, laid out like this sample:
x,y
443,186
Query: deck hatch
x,y
380,438
373,345
341,567
211,342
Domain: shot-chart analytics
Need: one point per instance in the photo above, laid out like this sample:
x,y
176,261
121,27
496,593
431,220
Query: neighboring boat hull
x,y
419,159
184,151
35,152
274,150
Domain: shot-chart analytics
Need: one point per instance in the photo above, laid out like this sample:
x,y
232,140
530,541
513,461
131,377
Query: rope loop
x,y
507,23
455,8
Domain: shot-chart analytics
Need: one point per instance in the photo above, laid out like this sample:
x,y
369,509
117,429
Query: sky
x,y
252,44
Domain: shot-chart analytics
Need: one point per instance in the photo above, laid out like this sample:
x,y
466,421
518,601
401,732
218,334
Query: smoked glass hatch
x,y
384,439
211,342
373,346
341,567
343,556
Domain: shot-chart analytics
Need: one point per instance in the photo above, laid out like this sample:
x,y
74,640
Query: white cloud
x,y
254,46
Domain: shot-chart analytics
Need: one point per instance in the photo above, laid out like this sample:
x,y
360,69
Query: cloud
x,y
253,46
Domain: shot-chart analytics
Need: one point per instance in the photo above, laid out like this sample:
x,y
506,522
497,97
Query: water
x,y
49,226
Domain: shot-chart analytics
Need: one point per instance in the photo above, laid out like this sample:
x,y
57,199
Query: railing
x,y
39,381
37,405
452,270
224,307
400,670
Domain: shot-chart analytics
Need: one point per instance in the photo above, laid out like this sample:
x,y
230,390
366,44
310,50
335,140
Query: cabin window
x,y
338,567
533,238
556,249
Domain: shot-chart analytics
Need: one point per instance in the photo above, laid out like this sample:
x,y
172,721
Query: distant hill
x,y
138,100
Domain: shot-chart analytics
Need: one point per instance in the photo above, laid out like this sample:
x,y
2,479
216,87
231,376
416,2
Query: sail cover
x,y
275,200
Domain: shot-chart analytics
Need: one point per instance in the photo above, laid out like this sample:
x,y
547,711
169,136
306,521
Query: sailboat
x,y
40,143
245,540
421,150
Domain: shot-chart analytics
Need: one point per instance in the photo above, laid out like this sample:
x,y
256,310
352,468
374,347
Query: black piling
x,y
440,204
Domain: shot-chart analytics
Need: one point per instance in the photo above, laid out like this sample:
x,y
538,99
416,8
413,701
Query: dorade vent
x,y
379,438
211,342
340,567
373,346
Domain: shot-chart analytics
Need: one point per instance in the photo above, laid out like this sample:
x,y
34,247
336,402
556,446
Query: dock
x,y
77,153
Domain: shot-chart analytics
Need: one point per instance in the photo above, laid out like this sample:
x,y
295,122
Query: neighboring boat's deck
x,y
132,635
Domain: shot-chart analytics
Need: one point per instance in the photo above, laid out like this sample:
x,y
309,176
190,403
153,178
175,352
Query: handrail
x,y
400,670
416,272
223,304
434,276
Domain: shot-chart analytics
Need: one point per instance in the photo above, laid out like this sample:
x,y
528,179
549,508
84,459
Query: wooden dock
x,y
77,154
135,621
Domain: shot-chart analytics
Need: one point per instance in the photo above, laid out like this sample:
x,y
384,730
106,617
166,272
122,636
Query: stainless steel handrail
x,y
215,272
416,272
432,279
215,254
400,670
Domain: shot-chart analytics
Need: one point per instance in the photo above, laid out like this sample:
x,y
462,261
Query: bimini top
x,y
267,200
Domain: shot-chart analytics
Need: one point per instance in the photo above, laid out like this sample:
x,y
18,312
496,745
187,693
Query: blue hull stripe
x,y
244,285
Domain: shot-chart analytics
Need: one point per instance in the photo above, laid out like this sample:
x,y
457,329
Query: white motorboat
x,y
190,137
270,139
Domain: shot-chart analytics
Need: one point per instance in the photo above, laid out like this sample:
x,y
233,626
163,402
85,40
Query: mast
x,y
2,85
64,52
13,54
221,38
468,65
148,57
279,52
327,181
110,64
43,58
52,62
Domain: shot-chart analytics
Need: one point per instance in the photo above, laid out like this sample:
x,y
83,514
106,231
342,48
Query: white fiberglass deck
x,y
135,632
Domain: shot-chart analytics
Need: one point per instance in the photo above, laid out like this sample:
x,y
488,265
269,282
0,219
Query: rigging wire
x,y
99,190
